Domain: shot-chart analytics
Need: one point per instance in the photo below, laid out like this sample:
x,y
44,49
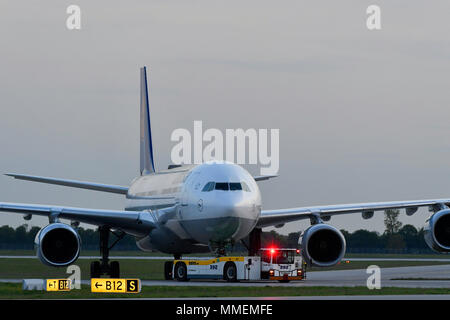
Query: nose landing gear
x,y
104,267
254,242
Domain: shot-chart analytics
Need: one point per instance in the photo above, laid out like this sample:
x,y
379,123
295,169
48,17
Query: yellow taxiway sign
x,y
58,285
115,285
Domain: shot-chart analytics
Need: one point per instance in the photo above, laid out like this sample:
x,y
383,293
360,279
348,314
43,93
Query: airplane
x,y
199,208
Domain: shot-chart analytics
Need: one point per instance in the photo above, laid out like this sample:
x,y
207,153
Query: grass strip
x,y
14,291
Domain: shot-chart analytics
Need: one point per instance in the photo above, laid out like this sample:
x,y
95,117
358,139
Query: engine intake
x,y
57,245
322,245
437,231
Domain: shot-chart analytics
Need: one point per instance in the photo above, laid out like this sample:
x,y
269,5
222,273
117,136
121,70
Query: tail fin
x,y
147,163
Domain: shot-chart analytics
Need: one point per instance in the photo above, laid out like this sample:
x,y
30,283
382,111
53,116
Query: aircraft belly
x,y
164,240
175,226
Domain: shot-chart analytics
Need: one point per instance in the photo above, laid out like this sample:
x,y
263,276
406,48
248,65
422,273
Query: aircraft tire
x,y
168,267
95,269
181,271
114,269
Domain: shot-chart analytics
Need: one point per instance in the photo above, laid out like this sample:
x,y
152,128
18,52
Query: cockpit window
x,y
245,186
208,187
235,186
225,186
222,186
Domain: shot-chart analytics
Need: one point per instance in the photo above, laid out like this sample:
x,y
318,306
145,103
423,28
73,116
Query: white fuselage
x,y
189,212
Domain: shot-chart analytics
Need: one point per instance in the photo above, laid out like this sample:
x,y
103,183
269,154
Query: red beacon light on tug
x,y
282,264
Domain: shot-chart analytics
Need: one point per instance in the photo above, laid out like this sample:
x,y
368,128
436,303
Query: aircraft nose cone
x,y
237,206
241,213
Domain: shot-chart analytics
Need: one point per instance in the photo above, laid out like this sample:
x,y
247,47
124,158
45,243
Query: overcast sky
x,y
363,115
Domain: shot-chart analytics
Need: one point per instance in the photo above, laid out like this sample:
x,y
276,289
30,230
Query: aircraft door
x,y
189,188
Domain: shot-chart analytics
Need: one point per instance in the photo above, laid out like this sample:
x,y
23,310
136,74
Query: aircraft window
x,y
235,186
225,186
222,186
208,187
245,187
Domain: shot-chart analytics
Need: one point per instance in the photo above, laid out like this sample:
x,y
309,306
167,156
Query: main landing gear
x,y
104,267
168,267
254,239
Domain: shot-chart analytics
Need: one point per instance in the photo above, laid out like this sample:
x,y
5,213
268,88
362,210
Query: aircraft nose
x,y
239,206
239,212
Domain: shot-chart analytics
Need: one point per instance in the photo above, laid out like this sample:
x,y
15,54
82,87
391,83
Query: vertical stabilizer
x,y
147,162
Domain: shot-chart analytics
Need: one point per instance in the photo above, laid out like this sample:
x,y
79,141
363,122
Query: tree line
x,y
23,238
395,239
408,239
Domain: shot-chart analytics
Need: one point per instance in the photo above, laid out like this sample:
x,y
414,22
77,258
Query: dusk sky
x,y
363,115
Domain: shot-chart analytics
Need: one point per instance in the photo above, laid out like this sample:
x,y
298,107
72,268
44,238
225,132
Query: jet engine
x,y
322,245
57,245
437,231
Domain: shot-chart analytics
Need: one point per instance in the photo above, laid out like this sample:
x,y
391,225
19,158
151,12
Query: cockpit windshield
x,y
222,186
226,186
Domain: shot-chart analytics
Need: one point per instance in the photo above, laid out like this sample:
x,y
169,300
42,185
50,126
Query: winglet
x,y
261,178
147,162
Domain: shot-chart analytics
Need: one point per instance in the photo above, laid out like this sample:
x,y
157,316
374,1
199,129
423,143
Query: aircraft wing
x,y
138,223
279,217
72,183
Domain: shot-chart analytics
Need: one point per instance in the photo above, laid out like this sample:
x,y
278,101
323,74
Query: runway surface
x,y
345,278
439,275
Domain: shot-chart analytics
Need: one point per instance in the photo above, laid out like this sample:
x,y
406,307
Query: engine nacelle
x,y
57,245
322,245
437,231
